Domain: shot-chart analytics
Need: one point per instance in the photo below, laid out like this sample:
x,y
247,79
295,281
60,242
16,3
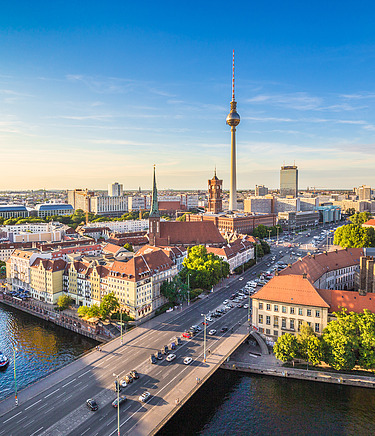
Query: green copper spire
x,y
154,203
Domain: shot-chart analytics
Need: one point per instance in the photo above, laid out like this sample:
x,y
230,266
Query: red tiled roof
x,y
111,248
314,266
189,233
50,265
141,266
369,223
292,289
348,299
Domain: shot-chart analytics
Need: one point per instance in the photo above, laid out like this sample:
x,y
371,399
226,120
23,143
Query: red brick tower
x,y
215,190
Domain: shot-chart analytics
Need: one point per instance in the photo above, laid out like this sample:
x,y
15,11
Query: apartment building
x,y
46,279
236,253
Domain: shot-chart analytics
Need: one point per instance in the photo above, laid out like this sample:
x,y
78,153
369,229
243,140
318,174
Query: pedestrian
x,y
197,379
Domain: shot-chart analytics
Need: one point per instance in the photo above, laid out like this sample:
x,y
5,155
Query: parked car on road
x,y
92,404
170,357
212,332
188,360
121,400
144,397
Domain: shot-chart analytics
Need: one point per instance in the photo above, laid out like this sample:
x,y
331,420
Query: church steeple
x,y
154,202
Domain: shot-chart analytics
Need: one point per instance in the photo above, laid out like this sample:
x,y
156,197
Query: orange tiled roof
x,y
189,233
348,299
369,223
50,265
314,266
292,289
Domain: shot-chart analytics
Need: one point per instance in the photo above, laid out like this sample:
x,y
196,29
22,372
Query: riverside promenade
x,y
254,359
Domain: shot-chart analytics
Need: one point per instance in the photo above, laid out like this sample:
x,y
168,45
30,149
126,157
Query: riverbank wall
x,y
302,374
62,319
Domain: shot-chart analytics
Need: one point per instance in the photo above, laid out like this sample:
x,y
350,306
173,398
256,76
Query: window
x,y
283,309
308,312
276,321
260,306
317,313
275,307
300,311
275,333
268,320
292,324
261,329
260,319
292,310
268,306
268,331
283,323
317,327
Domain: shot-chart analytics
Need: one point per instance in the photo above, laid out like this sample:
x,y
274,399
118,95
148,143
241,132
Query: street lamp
x,y
248,313
15,349
204,336
118,403
188,283
269,234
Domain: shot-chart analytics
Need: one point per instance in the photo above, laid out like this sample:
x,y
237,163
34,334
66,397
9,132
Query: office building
x,y
364,193
115,190
289,181
261,190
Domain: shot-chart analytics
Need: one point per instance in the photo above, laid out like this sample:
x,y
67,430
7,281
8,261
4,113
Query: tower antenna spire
x,y
233,79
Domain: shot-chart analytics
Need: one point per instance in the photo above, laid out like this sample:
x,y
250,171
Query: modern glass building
x,y
289,181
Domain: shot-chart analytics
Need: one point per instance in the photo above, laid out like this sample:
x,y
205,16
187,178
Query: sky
x,y
94,92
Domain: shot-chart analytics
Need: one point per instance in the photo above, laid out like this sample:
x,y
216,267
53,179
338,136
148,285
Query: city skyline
x,y
93,96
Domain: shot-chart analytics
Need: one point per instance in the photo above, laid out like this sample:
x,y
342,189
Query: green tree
x,y
286,348
259,251
108,305
353,235
260,231
366,335
359,218
129,247
305,333
175,290
265,247
314,350
83,311
64,302
10,222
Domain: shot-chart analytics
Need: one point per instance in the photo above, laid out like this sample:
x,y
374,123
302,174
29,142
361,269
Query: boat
x,y
4,361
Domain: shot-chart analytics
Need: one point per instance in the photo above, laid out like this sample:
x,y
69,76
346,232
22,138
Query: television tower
x,y
233,120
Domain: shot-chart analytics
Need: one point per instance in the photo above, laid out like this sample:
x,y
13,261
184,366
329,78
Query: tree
x,y
64,302
260,231
366,335
305,333
83,311
10,222
360,218
175,290
259,251
353,235
129,247
314,350
265,247
108,305
286,348
350,211
89,312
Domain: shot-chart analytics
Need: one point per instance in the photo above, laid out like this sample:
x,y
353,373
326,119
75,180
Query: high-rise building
x,y
215,191
115,190
261,190
364,193
233,120
289,181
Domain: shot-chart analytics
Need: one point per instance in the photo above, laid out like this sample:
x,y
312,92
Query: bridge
x,y
56,404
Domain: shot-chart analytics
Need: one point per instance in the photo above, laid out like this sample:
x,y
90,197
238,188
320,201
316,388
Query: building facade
x,y
215,195
115,190
289,181
261,190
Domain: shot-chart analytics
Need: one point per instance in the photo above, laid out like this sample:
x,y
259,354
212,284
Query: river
x,y
42,348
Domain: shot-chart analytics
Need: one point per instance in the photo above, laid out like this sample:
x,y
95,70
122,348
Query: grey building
x,y
261,190
289,181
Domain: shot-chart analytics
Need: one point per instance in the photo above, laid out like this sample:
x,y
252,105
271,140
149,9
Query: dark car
x,y
173,346
224,329
159,355
129,379
122,399
92,404
179,342
134,374
153,359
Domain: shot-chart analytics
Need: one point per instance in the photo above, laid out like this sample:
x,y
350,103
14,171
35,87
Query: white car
x,y
144,397
170,357
188,360
123,383
225,302
241,278
245,306
209,319
212,332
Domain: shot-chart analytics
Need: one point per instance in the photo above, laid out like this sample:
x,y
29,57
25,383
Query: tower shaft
x,y
233,172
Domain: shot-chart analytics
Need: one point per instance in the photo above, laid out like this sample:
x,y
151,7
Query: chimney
x,y
304,276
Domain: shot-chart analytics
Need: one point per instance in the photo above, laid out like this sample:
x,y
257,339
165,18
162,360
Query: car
x,y
245,306
173,345
224,329
212,332
159,355
187,335
209,319
225,302
153,359
230,305
178,340
170,357
123,383
134,374
239,305
188,360
241,278
118,401
92,404
144,397
129,379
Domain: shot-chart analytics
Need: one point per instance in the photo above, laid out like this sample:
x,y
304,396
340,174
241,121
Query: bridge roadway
x,y
56,405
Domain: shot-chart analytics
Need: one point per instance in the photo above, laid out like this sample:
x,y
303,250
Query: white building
x,y
114,206
139,202
122,226
115,190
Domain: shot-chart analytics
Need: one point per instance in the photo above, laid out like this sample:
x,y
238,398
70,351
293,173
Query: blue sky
x,y
95,92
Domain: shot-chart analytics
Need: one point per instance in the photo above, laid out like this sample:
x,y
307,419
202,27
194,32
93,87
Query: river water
x,y
42,348
231,403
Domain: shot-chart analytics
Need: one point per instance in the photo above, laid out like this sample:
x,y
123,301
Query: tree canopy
x,y
204,269
354,235
286,348
64,301
175,291
360,218
263,231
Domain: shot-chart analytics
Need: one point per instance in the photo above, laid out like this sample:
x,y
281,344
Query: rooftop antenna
x,y
215,171
233,79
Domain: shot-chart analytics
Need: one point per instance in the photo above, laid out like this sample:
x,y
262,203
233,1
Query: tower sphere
x,y
233,118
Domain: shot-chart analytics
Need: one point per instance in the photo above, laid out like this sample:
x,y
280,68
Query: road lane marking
x,y
84,373
35,432
49,410
31,405
42,407
66,384
111,357
12,417
85,431
52,393
30,422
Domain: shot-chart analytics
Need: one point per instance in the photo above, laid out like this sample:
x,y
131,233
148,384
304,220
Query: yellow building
x,y
46,279
284,303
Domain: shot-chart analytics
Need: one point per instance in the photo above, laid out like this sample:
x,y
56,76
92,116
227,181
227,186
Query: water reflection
x,y
42,348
